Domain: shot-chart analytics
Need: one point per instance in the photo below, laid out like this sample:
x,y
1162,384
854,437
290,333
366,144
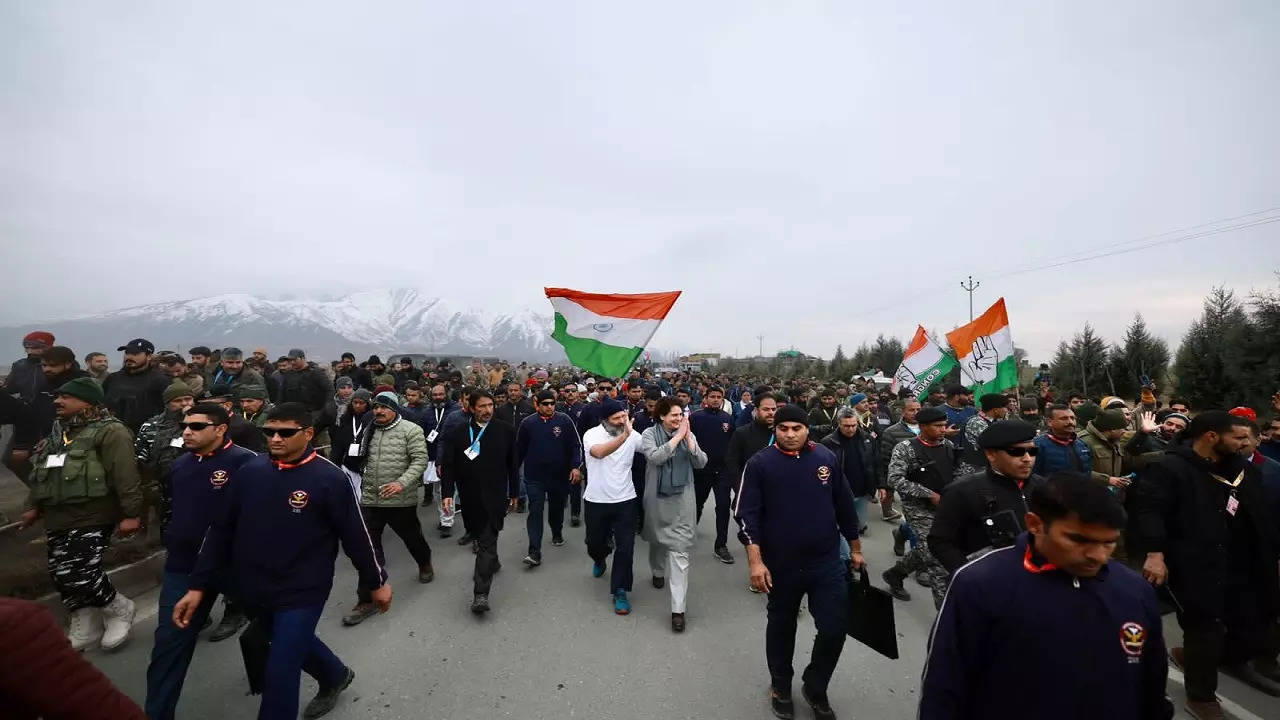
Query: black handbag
x,y
869,619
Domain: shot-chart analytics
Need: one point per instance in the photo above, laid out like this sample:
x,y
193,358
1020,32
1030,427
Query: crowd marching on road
x,y
1052,535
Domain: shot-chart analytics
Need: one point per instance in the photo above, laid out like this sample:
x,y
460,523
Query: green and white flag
x,y
605,333
923,364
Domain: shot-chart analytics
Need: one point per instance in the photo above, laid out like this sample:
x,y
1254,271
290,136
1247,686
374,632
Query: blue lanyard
x,y
475,439
770,439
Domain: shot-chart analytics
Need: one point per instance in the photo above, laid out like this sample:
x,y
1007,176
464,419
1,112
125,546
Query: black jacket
x,y
309,386
487,482
745,442
26,378
870,458
359,377
246,434
1180,510
959,527
134,399
513,414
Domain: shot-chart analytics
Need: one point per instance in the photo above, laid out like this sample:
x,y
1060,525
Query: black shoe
x,y
428,496
557,540
480,604
893,578
575,520
426,574
520,505
359,613
818,703
658,582
230,625
533,559
466,539
899,542
475,546
722,554
446,532
782,705
677,622
326,700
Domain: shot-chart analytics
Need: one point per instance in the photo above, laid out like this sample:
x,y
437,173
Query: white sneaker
x,y
118,618
83,631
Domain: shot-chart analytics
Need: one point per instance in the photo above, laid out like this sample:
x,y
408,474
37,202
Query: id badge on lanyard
x,y
473,452
55,461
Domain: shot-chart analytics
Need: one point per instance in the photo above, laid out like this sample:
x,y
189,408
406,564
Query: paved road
x,y
552,647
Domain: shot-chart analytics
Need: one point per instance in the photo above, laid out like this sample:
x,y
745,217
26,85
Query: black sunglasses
x,y
195,426
285,433
547,402
1020,451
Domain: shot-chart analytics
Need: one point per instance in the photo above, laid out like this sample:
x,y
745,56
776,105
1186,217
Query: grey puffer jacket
x,y
397,453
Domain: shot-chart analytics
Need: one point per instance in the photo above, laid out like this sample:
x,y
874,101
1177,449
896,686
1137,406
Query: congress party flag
x,y
605,333
923,364
984,348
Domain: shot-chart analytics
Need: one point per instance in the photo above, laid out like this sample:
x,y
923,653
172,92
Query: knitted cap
x,y
86,389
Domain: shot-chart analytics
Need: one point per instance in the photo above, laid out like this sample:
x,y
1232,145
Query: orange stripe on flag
x,y
961,339
641,306
918,342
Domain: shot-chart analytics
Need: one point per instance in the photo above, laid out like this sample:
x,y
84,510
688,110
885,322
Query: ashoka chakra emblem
x,y
602,327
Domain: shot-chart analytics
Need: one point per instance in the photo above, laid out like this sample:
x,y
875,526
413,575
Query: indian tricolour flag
x,y
984,348
605,333
923,364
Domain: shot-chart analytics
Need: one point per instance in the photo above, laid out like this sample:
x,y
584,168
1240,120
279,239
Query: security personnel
x,y
253,402
158,444
242,432
1048,628
279,538
793,508
549,449
199,482
994,407
919,470
85,485
713,427
986,511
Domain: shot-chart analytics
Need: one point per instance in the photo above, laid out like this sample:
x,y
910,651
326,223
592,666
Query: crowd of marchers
x,y
1052,533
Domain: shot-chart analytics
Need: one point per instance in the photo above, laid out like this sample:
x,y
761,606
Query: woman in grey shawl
x,y
671,453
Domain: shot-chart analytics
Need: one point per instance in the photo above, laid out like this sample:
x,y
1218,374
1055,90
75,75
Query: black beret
x,y
1005,433
930,415
956,389
991,401
791,413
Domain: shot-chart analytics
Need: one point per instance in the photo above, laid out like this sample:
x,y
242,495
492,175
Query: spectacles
x,y
285,433
547,402
1020,451
195,426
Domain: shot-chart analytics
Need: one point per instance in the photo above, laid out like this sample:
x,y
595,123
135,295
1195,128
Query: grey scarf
x,y
676,473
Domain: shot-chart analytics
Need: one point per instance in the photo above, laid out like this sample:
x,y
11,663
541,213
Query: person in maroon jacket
x,y
42,677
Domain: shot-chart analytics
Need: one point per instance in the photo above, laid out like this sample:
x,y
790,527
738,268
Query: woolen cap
x,y
1110,420
609,407
1087,412
87,389
176,390
254,391
387,399
343,381
1005,433
39,338
856,398
791,413
991,401
928,415
221,391
1028,404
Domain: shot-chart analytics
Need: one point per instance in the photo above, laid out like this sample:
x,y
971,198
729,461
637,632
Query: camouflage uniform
x,y
75,565
969,464
919,512
156,454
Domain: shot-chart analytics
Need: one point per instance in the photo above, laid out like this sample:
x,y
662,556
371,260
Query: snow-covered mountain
x,y
377,321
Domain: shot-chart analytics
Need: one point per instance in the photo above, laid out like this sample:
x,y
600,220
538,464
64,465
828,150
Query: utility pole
x,y
761,339
970,288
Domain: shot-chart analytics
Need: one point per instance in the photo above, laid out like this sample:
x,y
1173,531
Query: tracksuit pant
x,y
551,493
173,648
827,586
617,520
295,649
705,482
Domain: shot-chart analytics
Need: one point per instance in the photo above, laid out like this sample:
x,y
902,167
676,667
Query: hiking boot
x,y
677,622
557,540
1206,710
117,618
922,580
480,603
890,515
230,624
359,613
533,559
893,577
817,703
781,704
466,539
899,542
326,700
621,605
575,520
83,630
426,574
723,555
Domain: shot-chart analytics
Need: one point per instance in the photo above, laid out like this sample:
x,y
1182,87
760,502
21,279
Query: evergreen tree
x,y
1081,365
886,354
1210,371
1141,354
838,369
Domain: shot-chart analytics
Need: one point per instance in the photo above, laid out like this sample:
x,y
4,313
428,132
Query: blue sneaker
x,y
621,605
597,570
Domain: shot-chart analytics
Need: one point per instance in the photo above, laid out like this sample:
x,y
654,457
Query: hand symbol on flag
x,y
981,364
905,378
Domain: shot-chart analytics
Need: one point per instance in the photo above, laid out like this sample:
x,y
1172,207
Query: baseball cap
x,y
138,345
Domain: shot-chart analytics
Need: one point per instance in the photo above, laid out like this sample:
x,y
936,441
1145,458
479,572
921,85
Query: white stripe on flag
x,y
619,332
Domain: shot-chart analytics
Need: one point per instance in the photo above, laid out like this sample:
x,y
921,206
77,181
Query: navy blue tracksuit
x,y
713,428
1017,638
549,448
201,486
796,507
279,536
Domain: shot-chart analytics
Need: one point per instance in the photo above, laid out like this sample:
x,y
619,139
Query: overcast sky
x,y
812,172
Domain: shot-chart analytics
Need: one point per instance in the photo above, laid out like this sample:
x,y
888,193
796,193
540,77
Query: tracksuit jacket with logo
x,y
200,487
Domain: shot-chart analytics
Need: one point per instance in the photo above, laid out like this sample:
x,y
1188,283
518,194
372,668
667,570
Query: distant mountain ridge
x,y
372,322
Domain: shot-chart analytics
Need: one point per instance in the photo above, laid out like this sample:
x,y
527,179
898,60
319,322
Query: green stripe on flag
x,y
592,355
1006,377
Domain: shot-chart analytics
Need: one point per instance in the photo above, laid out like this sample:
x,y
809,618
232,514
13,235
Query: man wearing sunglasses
x,y
986,511
548,446
199,483
279,536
